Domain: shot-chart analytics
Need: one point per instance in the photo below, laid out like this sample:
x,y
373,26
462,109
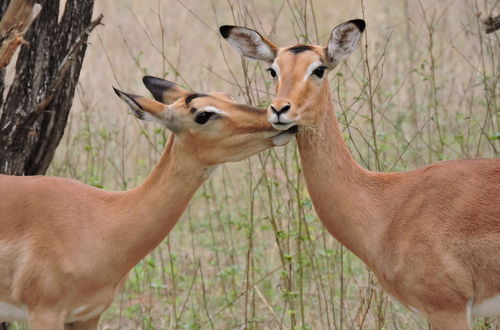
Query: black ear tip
x,y
127,95
150,82
120,93
360,24
116,91
157,86
225,30
147,79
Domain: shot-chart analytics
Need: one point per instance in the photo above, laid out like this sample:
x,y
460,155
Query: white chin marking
x,y
282,139
283,127
489,307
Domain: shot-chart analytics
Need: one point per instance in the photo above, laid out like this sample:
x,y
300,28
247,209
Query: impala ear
x,y
343,41
163,90
151,110
249,43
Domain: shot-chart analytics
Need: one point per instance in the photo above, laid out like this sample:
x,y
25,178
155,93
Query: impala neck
x,y
152,209
343,193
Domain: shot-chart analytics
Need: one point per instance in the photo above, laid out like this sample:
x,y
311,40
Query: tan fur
x,y
431,236
66,247
152,105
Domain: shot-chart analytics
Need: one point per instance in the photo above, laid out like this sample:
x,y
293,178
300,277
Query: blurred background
x,y
250,251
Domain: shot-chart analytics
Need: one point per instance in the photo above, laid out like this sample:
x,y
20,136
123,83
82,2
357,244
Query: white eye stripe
x,y
313,66
214,110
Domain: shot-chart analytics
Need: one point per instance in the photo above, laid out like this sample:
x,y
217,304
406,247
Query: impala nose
x,y
283,109
279,114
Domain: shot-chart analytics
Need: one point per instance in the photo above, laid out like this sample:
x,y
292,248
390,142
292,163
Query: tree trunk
x,y
34,112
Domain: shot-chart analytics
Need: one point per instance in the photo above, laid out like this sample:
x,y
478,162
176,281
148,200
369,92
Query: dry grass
x,y
254,254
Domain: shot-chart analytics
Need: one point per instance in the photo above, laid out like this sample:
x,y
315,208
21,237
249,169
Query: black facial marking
x,y
300,48
203,117
272,72
193,110
319,71
191,97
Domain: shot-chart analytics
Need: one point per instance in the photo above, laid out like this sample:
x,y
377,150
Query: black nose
x,y
280,111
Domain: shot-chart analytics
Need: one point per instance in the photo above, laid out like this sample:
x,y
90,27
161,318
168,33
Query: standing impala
x,y
66,248
431,236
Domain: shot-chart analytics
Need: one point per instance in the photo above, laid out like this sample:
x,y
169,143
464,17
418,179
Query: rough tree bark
x,y
34,112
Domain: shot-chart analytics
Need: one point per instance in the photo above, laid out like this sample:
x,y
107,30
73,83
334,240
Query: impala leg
x,y
91,324
447,320
45,320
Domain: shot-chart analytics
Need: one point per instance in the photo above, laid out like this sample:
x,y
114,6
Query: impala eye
x,y
272,72
319,71
203,117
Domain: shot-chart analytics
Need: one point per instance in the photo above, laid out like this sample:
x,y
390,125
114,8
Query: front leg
x,y
45,320
91,324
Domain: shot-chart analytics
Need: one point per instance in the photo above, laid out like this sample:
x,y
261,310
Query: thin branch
x,y
14,24
65,65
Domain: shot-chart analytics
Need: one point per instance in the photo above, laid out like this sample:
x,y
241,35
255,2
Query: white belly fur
x,y
489,307
10,313
85,313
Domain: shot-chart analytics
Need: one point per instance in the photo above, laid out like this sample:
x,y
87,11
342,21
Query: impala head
x,y
299,71
211,126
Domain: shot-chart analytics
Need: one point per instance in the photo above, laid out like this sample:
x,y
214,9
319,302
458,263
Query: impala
x,y
66,247
431,235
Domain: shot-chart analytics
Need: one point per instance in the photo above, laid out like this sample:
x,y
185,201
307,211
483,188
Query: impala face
x,y
299,71
212,126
